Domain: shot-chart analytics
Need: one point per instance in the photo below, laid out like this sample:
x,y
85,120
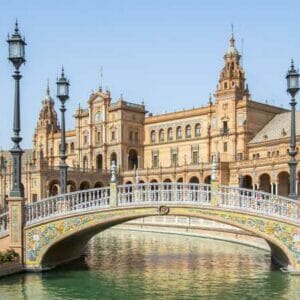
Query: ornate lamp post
x,y
292,88
17,56
63,95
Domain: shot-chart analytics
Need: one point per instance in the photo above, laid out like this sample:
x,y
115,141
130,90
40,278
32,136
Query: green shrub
x,y
8,256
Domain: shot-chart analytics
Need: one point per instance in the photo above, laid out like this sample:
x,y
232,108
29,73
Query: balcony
x,y
224,131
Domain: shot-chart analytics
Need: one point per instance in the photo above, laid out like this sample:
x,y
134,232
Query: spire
x,y
101,79
16,27
232,40
48,89
231,49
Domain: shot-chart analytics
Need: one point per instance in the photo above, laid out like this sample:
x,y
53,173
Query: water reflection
x,y
138,265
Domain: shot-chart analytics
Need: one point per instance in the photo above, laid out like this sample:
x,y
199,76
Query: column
x,y
16,224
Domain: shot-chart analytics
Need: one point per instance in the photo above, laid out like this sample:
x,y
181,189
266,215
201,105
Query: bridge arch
x,y
67,237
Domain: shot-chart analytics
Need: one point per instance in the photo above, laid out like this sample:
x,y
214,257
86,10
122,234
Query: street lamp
x,y
17,56
292,78
63,95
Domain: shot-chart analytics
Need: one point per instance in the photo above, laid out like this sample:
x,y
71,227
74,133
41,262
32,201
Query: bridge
x,y
56,229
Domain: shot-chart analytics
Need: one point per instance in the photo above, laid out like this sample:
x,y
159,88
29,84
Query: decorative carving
x,y
163,210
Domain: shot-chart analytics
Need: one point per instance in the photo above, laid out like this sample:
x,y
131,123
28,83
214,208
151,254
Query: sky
x,y
167,53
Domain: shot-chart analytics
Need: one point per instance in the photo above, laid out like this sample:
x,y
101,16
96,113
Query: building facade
x,y
249,138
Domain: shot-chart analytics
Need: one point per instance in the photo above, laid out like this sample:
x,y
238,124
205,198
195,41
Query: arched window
x,y
178,133
188,131
161,135
132,160
153,136
170,134
113,157
198,130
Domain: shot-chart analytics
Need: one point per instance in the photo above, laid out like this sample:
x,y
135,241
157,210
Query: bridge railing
x,y
66,204
166,192
259,202
3,223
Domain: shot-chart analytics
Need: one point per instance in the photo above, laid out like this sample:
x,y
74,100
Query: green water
x,y
138,265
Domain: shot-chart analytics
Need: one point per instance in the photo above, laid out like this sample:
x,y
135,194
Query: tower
x,y
232,76
47,126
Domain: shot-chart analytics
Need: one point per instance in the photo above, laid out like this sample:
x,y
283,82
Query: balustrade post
x,y
214,186
113,198
16,211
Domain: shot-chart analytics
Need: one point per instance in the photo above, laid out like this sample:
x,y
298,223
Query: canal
x,y
122,264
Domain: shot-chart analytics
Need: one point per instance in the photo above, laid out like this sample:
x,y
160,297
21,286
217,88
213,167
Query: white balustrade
x,y
163,193
259,202
166,193
67,204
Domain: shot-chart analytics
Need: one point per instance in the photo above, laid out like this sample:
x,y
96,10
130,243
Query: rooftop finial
x,y
16,26
101,79
48,88
62,71
232,37
292,64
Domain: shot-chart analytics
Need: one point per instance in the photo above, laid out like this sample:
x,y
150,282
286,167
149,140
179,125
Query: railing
x,y
67,204
163,193
4,223
258,202
232,198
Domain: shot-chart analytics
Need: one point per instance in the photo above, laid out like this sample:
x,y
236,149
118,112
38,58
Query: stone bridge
x,y
56,229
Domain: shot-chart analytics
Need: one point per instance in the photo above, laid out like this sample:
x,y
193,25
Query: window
x,y
113,135
161,135
85,139
240,156
153,136
98,137
170,134
225,125
225,85
130,135
174,159
188,131
136,136
225,147
269,154
98,117
195,157
34,197
155,160
179,133
72,148
198,130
